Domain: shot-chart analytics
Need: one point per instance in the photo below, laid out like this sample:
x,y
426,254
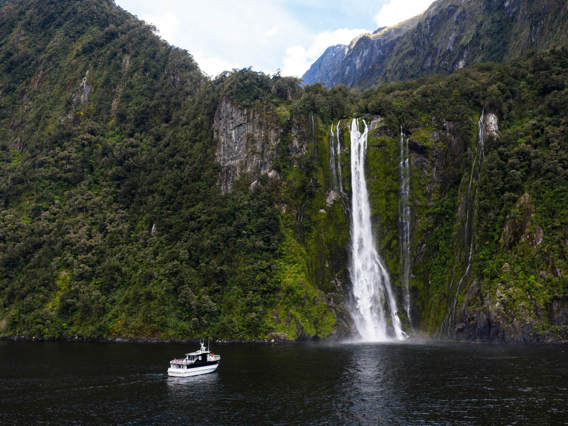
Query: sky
x,y
285,35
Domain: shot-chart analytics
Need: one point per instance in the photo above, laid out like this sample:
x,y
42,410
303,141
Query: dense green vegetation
x,y
112,222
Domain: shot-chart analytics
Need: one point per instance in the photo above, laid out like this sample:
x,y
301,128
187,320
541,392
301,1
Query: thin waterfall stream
x,y
338,153
405,215
334,183
470,199
374,308
335,159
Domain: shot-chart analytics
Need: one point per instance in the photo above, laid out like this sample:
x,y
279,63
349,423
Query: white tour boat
x,y
202,361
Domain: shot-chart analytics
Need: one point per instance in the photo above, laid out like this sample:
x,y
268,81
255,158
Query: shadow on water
x,y
410,382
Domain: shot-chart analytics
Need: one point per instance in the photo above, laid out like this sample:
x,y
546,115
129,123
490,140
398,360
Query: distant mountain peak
x,y
449,35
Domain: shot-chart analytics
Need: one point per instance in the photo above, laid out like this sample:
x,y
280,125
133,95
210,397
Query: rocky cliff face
x,y
247,142
366,55
451,34
496,315
325,68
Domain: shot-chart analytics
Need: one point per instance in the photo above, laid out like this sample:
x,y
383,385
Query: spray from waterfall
x,y
470,210
374,305
404,221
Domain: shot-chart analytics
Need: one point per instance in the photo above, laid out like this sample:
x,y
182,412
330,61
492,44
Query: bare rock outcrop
x,y
247,142
492,125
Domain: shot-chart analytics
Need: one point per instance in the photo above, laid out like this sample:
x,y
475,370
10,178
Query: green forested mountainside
x,y
112,222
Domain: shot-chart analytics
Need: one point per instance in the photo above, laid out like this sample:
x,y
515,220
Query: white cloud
x,y
212,65
298,58
396,11
296,61
167,25
272,31
227,34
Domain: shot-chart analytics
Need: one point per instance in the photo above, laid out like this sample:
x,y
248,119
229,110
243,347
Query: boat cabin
x,y
198,358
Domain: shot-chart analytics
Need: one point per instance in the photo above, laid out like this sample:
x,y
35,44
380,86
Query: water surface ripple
x,y
299,383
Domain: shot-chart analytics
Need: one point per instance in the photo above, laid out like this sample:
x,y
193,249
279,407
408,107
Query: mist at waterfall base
x,y
374,308
387,383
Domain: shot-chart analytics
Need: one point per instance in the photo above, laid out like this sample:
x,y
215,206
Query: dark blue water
x,y
368,384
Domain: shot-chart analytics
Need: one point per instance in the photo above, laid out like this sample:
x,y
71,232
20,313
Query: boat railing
x,y
183,361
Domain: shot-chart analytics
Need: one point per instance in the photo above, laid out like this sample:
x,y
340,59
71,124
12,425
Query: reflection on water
x,y
181,384
368,390
346,383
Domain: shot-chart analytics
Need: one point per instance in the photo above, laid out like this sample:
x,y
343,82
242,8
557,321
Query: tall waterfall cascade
x,y
470,197
374,305
404,221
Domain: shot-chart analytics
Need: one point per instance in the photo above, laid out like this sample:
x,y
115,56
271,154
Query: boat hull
x,y
194,371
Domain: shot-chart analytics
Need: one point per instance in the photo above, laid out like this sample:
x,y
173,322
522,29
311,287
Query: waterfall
x,y
373,299
404,215
313,126
335,159
339,171
470,210
332,167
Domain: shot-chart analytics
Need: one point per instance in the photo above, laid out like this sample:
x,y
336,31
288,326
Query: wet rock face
x,y
491,319
417,147
520,227
246,144
560,311
492,125
82,93
511,7
332,197
487,319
